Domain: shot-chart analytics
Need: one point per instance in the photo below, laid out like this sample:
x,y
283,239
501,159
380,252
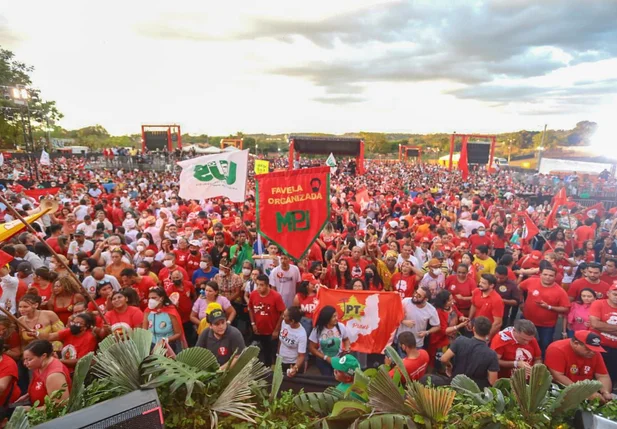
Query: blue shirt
x,y
201,274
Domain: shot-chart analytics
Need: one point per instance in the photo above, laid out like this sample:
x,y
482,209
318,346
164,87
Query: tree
x,y
13,116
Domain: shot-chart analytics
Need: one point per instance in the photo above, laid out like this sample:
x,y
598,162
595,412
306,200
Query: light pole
x,y
256,149
20,96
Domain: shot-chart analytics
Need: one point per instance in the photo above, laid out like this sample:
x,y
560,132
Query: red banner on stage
x,y
38,193
293,207
371,318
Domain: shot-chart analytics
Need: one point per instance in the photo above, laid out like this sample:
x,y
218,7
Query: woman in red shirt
x,y
66,292
450,321
461,286
78,339
373,279
9,391
338,275
102,298
498,238
123,316
590,253
306,299
48,373
404,281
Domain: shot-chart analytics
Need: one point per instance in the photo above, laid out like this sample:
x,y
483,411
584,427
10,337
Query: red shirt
x,y
416,368
490,306
308,304
465,288
506,346
266,310
8,368
601,289
584,233
192,264
181,257
404,285
356,268
553,295
37,388
53,243
561,357
132,318
166,272
475,240
607,314
498,243
183,302
608,278
76,346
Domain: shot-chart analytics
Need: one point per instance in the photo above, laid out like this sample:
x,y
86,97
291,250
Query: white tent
x,y
211,150
231,149
199,149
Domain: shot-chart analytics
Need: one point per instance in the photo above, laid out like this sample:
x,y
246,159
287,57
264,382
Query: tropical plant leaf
x,y
277,378
385,421
234,399
573,395
503,384
166,371
19,420
79,378
384,396
320,403
393,354
464,384
433,403
120,363
539,385
198,357
354,407
335,392
248,354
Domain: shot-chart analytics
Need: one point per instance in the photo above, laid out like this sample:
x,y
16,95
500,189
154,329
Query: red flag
x,y
293,207
5,258
593,211
362,195
530,227
462,161
370,318
561,199
38,193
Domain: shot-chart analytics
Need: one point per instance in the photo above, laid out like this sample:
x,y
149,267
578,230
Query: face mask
x,y
153,303
83,269
177,282
436,271
246,271
141,271
168,264
129,216
75,329
52,266
194,252
369,275
222,273
203,265
140,248
75,261
481,233
149,259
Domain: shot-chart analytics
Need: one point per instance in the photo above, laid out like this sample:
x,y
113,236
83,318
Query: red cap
x,y
351,225
426,240
360,233
613,286
591,340
516,247
447,248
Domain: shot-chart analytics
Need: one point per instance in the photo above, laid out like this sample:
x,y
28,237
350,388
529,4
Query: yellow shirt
x,y
486,266
385,274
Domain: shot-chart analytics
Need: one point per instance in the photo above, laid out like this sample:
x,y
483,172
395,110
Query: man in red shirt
x,y
266,308
169,262
357,265
577,359
194,257
603,320
592,282
517,347
480,239
141,284
610,271
181,292
584,233
545,301
485,301
415,360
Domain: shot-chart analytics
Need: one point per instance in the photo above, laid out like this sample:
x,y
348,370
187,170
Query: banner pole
x,y
52,251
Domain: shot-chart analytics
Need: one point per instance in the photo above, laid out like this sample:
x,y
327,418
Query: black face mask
x,y
177,282
369,275
194,252
75,329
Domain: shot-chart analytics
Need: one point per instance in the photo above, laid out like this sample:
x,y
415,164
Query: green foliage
x,y
79,377
53,408
19,419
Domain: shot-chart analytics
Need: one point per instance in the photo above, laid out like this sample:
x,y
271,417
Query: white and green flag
x,y
210,176
331,162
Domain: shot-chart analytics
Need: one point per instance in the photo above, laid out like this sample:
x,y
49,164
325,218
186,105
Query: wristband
x,y
550,307
515,364
252,323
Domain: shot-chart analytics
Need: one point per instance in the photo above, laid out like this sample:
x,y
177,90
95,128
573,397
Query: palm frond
x,y
78,386
571,396
384,396
539,385
433,403
120,363
320,403
248,354
233,400
198,357
393,354
19,420
464,384
385,421
277,378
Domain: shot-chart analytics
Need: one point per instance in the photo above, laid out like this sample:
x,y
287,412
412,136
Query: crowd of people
x,y
479,296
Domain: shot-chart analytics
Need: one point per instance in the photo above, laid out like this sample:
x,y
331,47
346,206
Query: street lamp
x,y
21,95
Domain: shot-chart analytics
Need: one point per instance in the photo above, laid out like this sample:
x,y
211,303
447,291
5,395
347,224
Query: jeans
x,y
307,324
545,338
324,367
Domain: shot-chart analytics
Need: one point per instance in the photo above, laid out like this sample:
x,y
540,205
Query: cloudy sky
x,y
326,65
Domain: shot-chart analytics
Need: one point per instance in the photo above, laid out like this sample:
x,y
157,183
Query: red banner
x,y
370,318
293,207
593,211
362,195
38,193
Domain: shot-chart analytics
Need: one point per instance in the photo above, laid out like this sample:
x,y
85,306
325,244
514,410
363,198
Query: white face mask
x,y
222,273
83,269
141,271
203,265
140,248
149,259
246,271
436,271
75,261
153,303
52,266
168,264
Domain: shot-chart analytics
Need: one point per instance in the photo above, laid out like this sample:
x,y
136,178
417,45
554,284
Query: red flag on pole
x,y
38,193
370,318
463,165
531,230
593,211
561,199
362,196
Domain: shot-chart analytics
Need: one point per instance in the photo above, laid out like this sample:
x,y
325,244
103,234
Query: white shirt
x,y
422,257
34,260
9,291
470,225
88,230
293,341
414,261
81,212
90,283
421,316
285,282
75,248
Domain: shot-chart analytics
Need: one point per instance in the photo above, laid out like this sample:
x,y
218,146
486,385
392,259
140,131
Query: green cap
x,y
347,364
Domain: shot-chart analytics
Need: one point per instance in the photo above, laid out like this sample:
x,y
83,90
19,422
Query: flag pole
x,y
52,251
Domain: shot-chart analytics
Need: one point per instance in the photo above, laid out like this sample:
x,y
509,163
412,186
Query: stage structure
x,y
161,137
237,143
405,152
480,151
341,146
